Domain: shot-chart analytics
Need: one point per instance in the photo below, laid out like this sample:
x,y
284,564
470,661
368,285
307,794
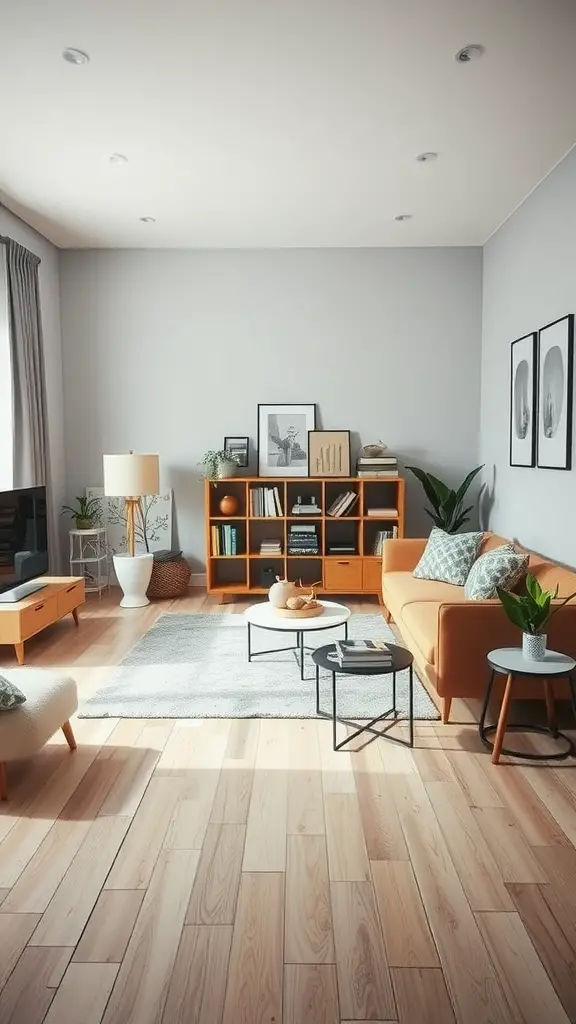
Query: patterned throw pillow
x,y
448,557
500,567
10,695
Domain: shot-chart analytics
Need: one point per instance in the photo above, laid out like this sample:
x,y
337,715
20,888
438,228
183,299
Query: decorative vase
x,y
534,646
229,505
133,573
374,451
280,592
225,470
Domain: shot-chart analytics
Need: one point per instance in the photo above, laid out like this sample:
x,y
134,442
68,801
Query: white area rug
x,y
196,666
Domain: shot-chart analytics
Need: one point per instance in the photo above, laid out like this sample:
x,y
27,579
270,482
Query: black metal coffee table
x,y
325,657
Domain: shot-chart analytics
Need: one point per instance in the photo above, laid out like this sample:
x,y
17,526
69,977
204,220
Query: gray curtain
x,y
28,383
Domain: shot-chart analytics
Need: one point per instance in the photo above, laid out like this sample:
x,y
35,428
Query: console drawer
x,y
70,597
372,575
38,615
342,575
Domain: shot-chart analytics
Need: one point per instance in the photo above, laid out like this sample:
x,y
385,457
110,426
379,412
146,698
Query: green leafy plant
x,y
448,512
531,611
84,512
213,460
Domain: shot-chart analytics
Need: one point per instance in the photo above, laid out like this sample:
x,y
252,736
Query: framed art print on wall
x,y
329,453
523,409
555,393
283,439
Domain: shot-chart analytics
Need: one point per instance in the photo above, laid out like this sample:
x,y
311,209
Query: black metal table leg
x,y
317,690
249,645
394,695
335,745
301,635
411,707
346,630
482,722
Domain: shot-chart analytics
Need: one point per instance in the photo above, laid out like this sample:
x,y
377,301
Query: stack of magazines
x,y
363,654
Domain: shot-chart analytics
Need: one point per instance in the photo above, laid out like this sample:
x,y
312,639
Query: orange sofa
x,y
450,636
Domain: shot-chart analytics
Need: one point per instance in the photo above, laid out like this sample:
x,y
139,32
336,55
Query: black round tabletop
x,y
326,658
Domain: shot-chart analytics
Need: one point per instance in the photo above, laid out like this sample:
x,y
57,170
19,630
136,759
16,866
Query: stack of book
x,y
265,501
382,513
381,536
303,540
306,507
341,549
270,547
383,466
363,654
344,503
224,540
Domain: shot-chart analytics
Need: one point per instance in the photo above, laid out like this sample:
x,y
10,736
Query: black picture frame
x,y
523,449
307,409
242,453
328,469
558,453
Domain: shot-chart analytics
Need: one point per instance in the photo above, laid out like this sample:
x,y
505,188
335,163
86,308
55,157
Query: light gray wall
x,y
168,351
529,281
50,303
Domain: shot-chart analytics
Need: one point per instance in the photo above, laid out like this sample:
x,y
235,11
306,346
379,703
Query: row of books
x,y
265,501
303,540
271,547
382,466
343,503
381,536
224,540
363,654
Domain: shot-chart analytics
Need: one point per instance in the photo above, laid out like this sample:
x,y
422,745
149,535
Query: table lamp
x,y
132,477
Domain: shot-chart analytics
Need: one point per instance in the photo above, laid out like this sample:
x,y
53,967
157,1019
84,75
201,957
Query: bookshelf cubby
x,y
345,563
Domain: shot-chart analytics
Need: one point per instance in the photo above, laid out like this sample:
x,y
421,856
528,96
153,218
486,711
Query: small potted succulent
x,y
532,612
218,465
86,510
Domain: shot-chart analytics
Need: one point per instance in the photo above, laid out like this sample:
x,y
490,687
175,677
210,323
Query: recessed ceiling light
x,y
118,158
74,56
403,216
426,158
148,220
471,52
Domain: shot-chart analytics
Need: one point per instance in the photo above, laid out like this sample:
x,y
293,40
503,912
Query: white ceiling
x,y
280,122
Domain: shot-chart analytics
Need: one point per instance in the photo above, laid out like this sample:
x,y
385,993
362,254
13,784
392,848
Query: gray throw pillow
x,y
10,695
500,567
448,557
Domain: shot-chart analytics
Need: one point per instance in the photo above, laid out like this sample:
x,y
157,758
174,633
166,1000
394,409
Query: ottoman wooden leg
x,y
3,781
67,730
502,721
75,615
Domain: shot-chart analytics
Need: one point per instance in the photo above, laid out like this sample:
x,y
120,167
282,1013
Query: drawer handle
x,y
38,607
342,563
70,589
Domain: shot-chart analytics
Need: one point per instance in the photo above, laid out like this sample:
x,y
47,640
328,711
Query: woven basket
x,y
169,579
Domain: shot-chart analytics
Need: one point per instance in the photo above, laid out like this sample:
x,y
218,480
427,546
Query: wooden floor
x,y
199,872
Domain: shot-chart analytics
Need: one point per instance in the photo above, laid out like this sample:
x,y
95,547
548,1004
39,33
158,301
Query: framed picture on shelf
x,y
239,447
329,453
555,389
523,408
283,439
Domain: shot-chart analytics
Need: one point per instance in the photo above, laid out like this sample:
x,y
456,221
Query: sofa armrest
x,y
402,555
468,631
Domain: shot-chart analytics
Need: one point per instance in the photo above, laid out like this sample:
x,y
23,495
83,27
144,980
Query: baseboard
x,y
197,579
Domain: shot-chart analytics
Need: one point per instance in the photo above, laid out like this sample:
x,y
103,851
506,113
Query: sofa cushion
x,y
10,695
422,621
402,588
500,567
448,557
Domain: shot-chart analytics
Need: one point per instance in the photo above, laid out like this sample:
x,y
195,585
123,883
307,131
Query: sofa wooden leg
x,y
446,705
70,739
3,781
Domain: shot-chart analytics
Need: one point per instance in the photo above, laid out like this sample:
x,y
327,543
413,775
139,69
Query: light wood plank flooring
x,y
241,872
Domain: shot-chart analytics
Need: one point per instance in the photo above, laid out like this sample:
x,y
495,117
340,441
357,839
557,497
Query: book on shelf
x,y
343,503
306,510
224,539
341,549
363,653
381,536
302,528
270,547
382,513
378,460
265,502
379,474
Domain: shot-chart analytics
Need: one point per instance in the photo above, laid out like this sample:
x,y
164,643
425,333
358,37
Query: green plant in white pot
x,y
218,465
532,612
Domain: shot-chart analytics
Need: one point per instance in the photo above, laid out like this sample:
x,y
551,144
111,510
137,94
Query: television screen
x,y
23,536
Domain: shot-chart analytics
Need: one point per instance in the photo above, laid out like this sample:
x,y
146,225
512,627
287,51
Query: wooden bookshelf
x,y
357,573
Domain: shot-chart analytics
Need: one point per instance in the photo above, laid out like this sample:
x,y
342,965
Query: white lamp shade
x,y
131,476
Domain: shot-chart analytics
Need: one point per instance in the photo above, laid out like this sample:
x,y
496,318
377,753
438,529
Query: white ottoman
x,y
51,700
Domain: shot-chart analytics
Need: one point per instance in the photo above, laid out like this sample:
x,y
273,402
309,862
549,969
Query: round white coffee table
x,y
264,616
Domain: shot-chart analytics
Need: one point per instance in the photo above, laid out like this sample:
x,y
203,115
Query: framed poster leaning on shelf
x,y
283,439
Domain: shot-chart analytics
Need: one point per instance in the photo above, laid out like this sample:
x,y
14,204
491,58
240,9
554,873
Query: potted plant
x,y
448,512
219,465
86,511
532,612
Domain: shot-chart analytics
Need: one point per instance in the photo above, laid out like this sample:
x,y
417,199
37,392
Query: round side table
x,y
510,662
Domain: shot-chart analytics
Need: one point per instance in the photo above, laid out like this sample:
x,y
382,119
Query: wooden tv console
x,y
60,596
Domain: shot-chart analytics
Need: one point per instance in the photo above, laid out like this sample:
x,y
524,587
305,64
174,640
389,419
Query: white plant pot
x,y
133,573
534,646
225,470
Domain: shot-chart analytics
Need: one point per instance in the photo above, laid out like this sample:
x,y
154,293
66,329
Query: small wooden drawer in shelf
x,y
343,575
372,575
